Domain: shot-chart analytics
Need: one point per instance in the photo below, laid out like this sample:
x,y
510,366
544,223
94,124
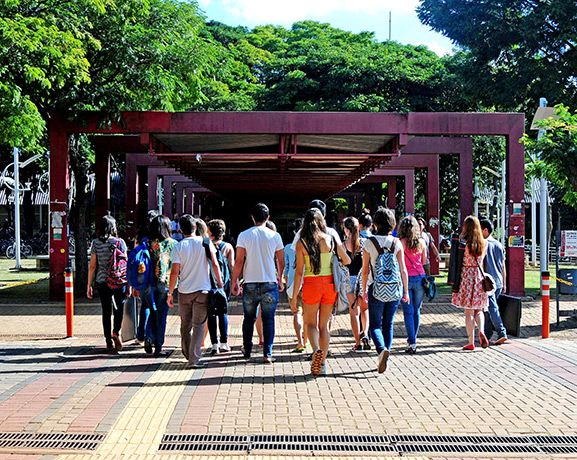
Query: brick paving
x,y
49,384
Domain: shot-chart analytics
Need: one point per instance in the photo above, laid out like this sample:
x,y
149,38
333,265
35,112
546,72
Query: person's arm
x,y
404,275
91,271
230,257
342,252
365,273
433,248
238,264
216,269
504,279
423,247
172,282
299,270
286,264
280,266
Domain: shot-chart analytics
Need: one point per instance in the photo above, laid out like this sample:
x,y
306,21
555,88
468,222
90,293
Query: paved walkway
x,y
92,404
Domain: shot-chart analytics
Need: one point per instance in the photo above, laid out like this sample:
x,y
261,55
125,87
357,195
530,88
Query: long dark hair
x,y
160,228
313,225
384,220
352,224
107,228
410,230
473,236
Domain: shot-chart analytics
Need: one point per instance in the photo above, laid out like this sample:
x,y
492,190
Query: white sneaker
x,y
214,349
224,347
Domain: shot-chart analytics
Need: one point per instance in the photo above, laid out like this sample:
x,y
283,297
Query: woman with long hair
x,y
382,314
471,295
100,259
313,261
160,245
415,251
358,306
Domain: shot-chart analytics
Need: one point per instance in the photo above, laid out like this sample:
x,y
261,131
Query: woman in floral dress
x,y
471,296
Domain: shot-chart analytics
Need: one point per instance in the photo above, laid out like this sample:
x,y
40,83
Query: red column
x,y
433,205
102,184
391,193
410,193
59,185
516,204
131,198
152,190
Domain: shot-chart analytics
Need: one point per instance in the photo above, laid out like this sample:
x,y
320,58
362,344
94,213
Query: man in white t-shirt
x,y
260,252
190,261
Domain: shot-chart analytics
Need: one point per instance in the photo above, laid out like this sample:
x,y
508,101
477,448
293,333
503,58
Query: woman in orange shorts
x,y
313,260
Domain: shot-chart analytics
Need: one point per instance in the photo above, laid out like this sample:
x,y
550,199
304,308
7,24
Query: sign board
x,y
517,241
568,243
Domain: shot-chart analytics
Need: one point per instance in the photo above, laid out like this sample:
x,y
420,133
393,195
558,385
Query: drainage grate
x,y
65,441
388,444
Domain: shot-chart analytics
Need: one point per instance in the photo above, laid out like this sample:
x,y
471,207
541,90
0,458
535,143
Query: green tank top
x,y
325,265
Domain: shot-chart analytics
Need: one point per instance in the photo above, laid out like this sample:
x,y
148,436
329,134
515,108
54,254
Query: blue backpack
x,y
139,270
387,285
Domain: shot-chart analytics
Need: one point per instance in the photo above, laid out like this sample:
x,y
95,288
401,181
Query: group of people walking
x,y
202,267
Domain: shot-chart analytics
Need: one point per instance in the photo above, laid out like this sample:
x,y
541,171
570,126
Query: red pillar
x,y
515,176
391,193
152,190
102,184
410,193
131,199
59,185
433,205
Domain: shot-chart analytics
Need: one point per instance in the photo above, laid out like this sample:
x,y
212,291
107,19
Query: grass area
x,y
28,273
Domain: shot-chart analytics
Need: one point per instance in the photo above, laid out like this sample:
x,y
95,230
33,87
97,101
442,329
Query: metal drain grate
x,y
400,444
66,441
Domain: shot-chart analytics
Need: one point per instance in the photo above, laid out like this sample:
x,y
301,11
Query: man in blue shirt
x,y
494,264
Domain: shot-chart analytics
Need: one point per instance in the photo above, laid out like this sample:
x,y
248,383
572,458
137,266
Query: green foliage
x,y
556,152
517,51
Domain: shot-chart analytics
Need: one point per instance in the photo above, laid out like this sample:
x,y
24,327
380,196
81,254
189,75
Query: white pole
x,y
543,212
476,205
159,194
17,207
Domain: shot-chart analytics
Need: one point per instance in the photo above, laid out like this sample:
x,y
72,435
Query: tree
x,y
556,152
516,50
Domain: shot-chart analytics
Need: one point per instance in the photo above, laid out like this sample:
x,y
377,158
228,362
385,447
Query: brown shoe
x,y
117,342
501,340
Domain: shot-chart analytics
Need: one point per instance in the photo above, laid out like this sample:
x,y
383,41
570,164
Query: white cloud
x,y
286,13
436,48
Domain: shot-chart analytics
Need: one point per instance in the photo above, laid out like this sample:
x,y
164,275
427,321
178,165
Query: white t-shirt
x,y
384,242
330,231
194,266
261,244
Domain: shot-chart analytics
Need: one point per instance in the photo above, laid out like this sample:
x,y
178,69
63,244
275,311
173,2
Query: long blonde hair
x,y
473,236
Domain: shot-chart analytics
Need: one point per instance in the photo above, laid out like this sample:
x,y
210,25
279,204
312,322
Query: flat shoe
x,y
268,360
483,340
469,347
383,358
500,340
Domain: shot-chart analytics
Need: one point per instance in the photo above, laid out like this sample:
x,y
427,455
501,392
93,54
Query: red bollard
x,y
69,294
545,297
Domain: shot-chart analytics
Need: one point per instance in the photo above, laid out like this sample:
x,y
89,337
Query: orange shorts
x,y
319,289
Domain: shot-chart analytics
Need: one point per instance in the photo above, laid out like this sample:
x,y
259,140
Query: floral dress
x,y
471,293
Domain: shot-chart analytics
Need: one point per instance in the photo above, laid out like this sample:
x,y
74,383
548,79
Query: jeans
x,y
412,310
222,321
495,322
155,322
381,317
106,295
265,294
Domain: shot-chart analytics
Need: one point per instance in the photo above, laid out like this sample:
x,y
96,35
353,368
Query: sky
x,y
351,15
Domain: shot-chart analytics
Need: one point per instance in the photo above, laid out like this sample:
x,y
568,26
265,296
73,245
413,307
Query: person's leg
x,y
268,303
354,314
310,317
223,328
249,305
470,325
105,295
145,309
297,325
480,321
118,312
185,309
160,299
199,314
495,322
389,310
409,312
258,325
376,320
325,312
417,301
364,316
212,329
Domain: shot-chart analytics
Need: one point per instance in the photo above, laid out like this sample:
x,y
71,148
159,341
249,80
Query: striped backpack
x,y
387,285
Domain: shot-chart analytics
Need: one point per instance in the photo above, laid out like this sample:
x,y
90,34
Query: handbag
x,y
488,282
341,280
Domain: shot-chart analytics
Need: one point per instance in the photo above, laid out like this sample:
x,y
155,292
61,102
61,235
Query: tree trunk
x,y
80,168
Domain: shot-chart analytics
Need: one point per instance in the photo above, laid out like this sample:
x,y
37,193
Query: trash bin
x,y
569,275
510,310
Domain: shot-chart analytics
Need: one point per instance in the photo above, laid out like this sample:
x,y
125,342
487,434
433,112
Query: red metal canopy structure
x,y
283,156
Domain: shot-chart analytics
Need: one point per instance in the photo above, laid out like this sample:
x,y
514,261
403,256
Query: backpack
x,y
387,284
139,270
217,298
116,278
223,264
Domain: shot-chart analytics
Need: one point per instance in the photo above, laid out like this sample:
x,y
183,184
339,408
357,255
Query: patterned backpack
x,y
116,277
387,285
